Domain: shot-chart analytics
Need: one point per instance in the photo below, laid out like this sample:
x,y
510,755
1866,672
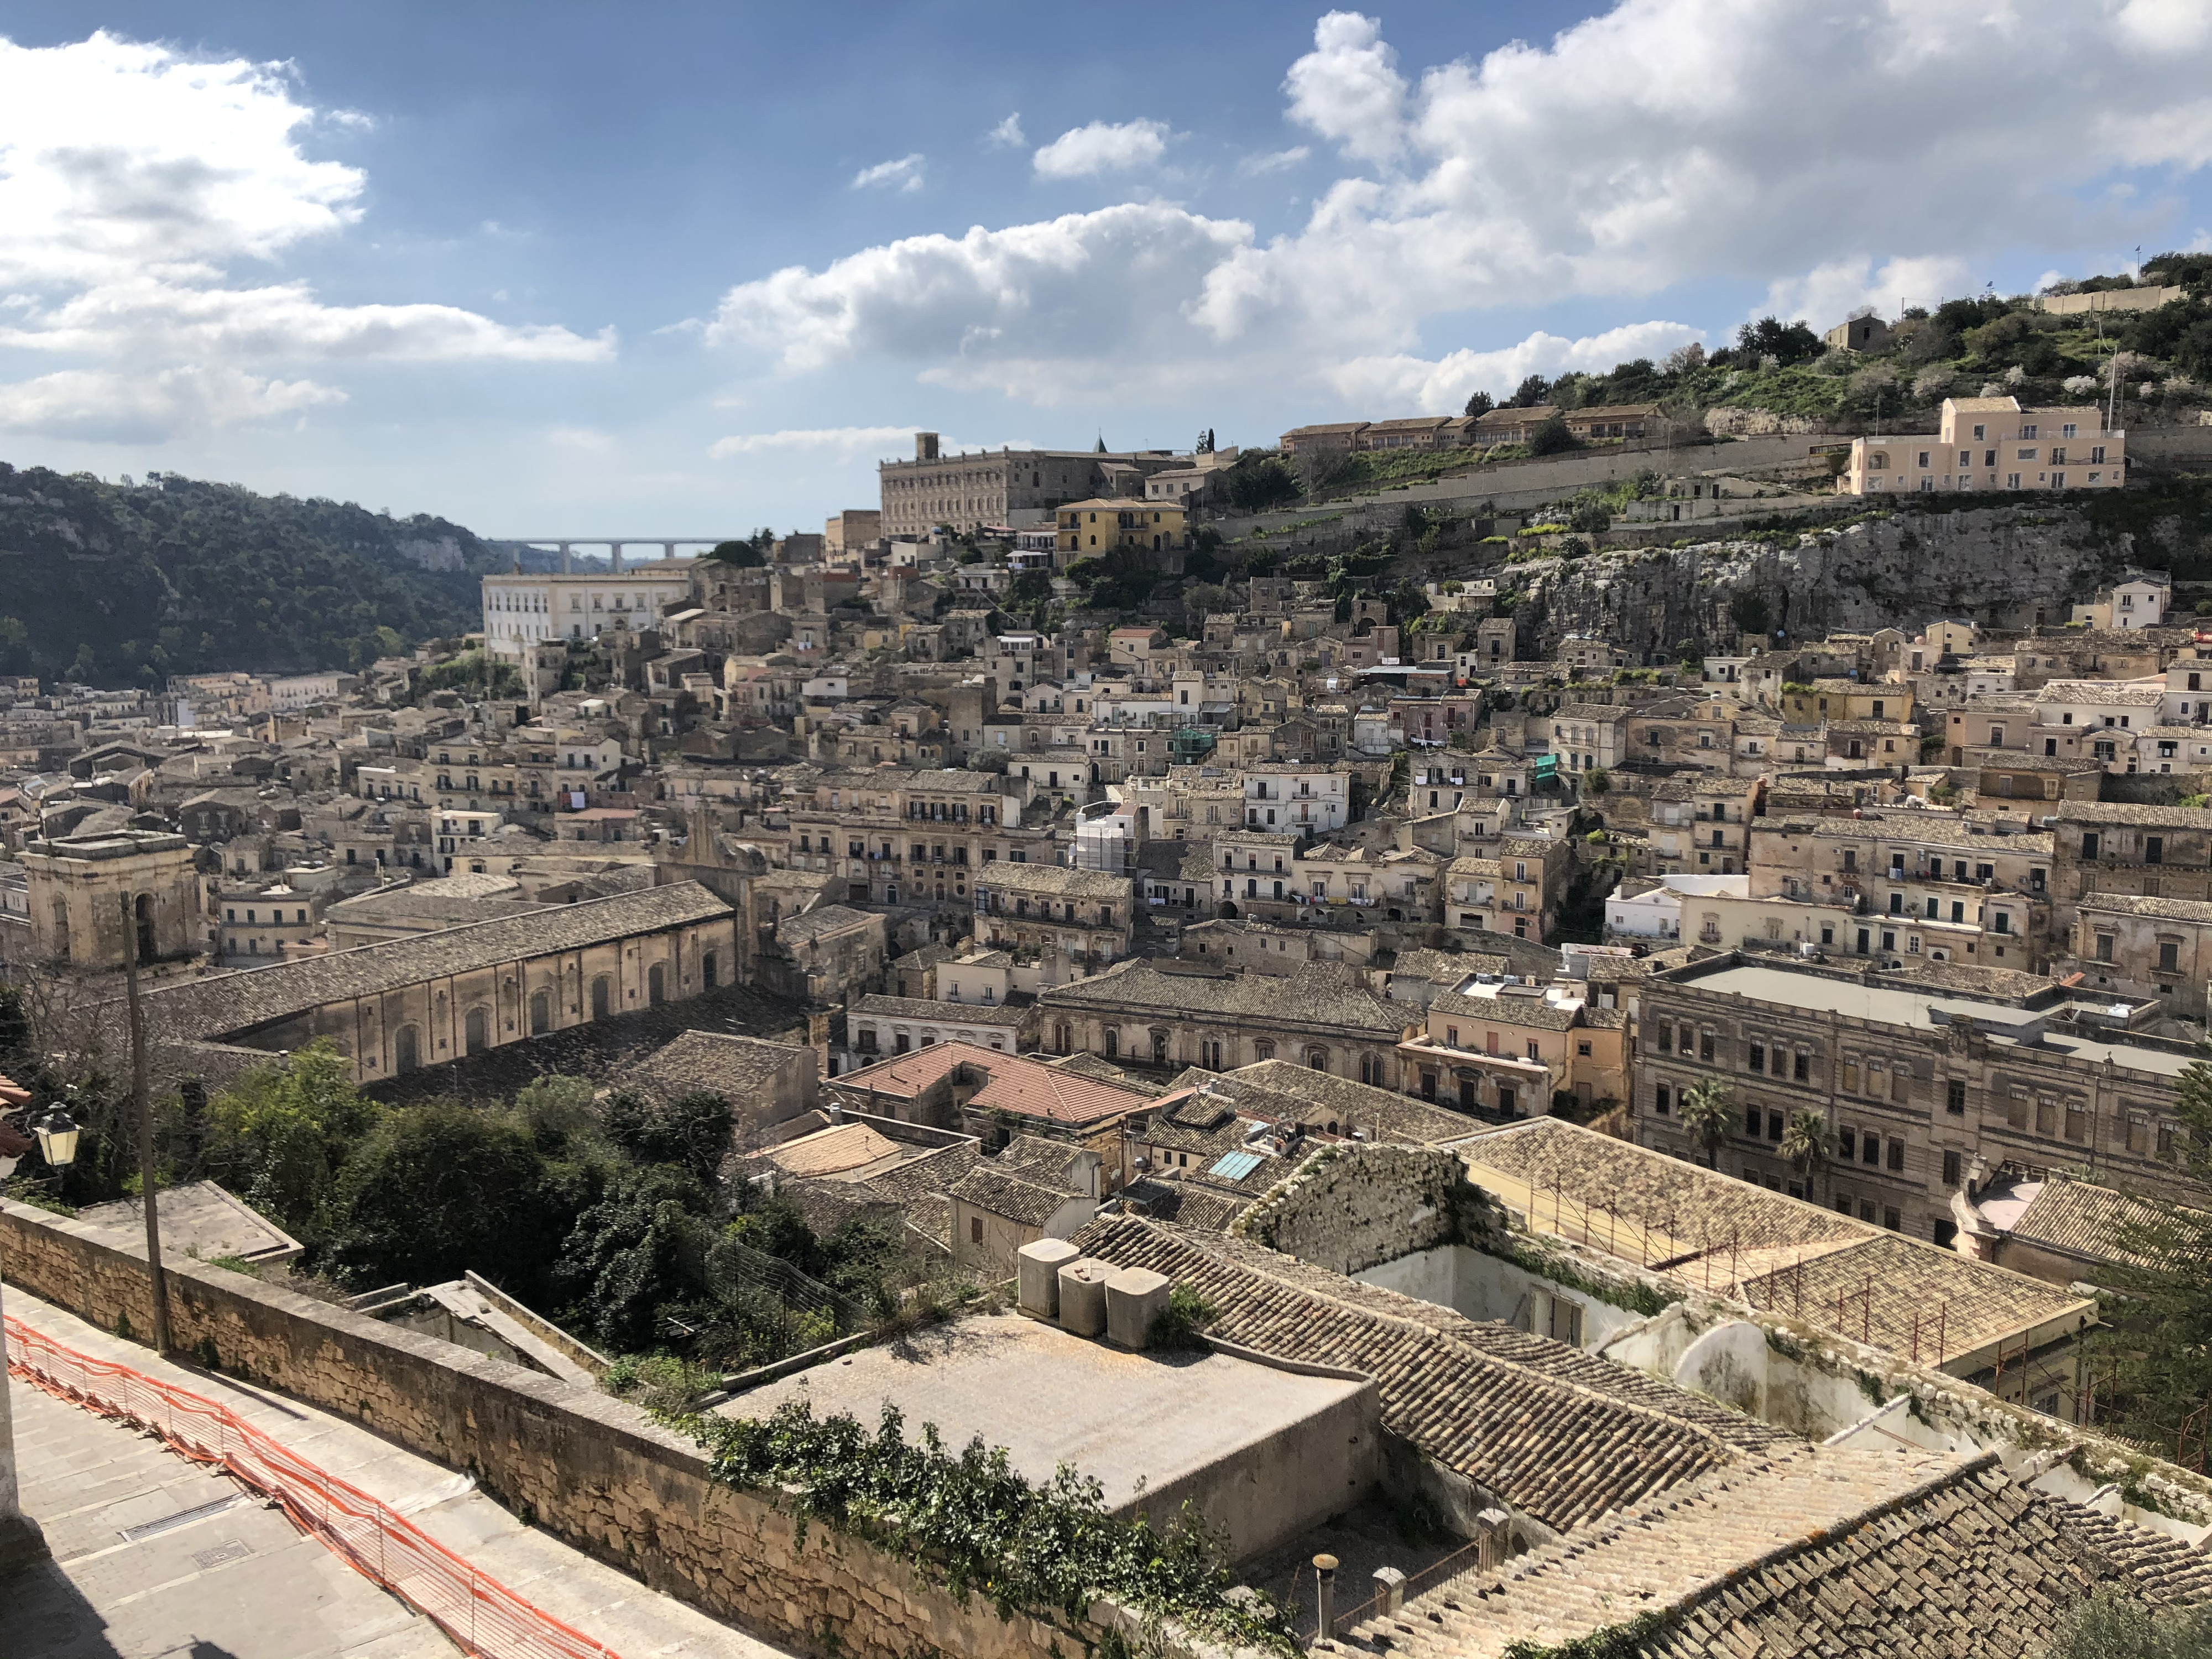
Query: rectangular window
x,y
1753,1117
1774,1126
1954,1097
1851,1076
1663,1100
2077,1122
1951,1169
1801,1071
1870,1148
1896,1154
1846,1144
1756,1059
1705,1047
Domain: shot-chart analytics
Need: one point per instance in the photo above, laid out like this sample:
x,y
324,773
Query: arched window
x,y
541,1013
1317,1059
1113,1044
1877,460
1063,1039
476,1032
406,1049
709,971
656,984
602,995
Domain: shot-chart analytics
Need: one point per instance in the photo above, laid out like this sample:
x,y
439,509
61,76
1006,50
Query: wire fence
x,y
480,1614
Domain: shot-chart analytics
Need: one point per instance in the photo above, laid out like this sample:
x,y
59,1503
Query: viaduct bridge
x,y
614,545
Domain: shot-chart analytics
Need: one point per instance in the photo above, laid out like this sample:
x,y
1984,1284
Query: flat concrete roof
x,y
1136,1422
1899,1004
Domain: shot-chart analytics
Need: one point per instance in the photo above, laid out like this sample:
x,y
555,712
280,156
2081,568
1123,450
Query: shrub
x,y
1551,436
1177,1324
971,1522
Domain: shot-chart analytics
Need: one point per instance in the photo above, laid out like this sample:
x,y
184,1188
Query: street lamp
x,y
56,1132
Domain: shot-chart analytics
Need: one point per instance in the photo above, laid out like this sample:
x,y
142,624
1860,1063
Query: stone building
x,y
438,997
2143,947
966,492
1919,1075
1086,915
79,888
1173,1014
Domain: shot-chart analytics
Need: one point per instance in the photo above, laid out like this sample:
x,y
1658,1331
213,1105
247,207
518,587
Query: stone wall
x,y
1351,1206
588,1468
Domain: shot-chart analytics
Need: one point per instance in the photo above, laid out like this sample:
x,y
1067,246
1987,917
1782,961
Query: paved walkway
x,y
222,1576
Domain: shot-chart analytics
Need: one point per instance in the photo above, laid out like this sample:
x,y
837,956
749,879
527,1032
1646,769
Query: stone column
x,y
21,1543
613,558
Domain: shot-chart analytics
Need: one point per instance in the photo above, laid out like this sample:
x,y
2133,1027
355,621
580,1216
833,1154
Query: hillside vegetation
x,y
122,583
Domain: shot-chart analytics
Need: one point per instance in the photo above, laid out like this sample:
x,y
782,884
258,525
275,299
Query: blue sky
x,y
687,268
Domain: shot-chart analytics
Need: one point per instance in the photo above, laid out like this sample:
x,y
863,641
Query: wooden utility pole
x,y
142,1108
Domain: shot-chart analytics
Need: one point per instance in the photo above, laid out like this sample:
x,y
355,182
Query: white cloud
x,y
134,408
146,315
1348,88
132,179
1442,387
1833,291
904,174
1828,155
1072,287
1102,147
1007,135
1275,161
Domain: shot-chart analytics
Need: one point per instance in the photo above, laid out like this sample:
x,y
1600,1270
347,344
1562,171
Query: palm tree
x,y
1708,1109
1805,1143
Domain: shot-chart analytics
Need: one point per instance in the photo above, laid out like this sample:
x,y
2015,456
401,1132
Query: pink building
x,y
1992,443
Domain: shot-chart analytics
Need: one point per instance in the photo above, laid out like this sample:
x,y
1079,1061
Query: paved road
x,y
238,1582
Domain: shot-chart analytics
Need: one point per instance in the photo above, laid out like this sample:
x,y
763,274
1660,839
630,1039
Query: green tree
x,y
1478,403
1531,392
438,1189
640,1250
280,1134
742,554
1258,483
1596,782
1770,336
692,1132
2110,1624
1805,1143
2161,1343
1707,1108
1551,436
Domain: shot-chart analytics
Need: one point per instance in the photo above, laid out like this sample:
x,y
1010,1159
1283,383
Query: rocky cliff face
x,y
2000,566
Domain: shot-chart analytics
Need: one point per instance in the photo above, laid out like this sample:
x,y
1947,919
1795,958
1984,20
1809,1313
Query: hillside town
x,y
1635,1083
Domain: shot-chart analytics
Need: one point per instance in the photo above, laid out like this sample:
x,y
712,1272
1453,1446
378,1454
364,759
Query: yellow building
x,y
1824,702
1088,530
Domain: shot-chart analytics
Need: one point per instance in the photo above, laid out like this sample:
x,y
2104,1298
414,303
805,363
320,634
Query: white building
x,y
1656,912
522,612
1296,798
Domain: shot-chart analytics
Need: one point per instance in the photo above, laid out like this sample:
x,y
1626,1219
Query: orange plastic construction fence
x,y
482,1615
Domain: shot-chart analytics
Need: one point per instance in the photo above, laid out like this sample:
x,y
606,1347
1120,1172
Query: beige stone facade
x,y
1920,1079
80,890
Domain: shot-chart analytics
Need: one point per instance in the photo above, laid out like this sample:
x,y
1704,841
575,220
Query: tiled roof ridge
x,y
1563,1553
1727,1452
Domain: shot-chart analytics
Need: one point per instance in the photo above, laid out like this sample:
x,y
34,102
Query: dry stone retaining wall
x,y
590,1469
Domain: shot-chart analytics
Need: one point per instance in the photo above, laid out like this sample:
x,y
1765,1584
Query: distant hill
x,y
121,583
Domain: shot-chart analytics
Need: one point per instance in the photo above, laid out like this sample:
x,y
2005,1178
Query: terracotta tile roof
x,y
224,1004
1819,1552
831,1152
1016,1083
1316,994
2080,1219
1556,1434
712,1062
994,1191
